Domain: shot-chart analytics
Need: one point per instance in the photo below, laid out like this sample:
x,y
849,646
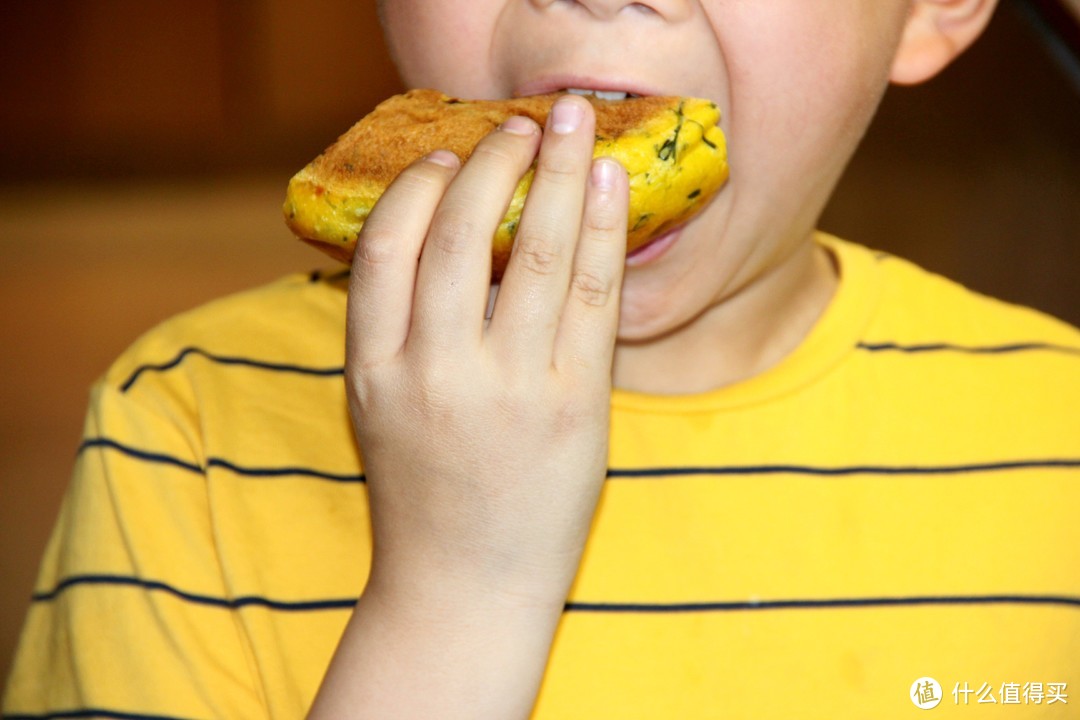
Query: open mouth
x,y
605,88
602,94
670,145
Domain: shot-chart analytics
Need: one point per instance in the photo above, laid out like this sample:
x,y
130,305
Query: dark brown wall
x,y
108,88
146,147
976,174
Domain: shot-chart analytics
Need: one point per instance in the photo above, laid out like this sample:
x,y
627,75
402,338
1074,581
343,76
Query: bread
x,y
671,147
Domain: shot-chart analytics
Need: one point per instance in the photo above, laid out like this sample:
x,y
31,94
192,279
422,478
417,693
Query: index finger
x,y
383,275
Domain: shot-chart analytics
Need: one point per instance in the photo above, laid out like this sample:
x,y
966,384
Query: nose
x,y
670,10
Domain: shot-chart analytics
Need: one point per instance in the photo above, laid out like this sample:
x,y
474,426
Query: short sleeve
x,y
130,615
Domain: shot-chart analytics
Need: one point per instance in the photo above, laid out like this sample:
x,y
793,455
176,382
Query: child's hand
x,y
485,442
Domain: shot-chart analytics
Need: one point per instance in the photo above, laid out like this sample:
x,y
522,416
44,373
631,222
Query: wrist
x,y
453,596
438,652
431,571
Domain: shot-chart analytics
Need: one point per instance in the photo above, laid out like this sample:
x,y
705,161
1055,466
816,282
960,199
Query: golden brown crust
x,y
671,147
407,127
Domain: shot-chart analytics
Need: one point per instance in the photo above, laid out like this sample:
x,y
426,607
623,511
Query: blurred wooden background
x,y
146,146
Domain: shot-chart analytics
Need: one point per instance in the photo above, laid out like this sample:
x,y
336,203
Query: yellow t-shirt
x,y
898,499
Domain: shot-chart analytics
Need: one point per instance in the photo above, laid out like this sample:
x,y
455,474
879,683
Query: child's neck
x,y
738,338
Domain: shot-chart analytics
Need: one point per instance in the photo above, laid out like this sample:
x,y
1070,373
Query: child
x,y
749,471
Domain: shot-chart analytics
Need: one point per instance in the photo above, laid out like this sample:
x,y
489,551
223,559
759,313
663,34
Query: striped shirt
x,y
896,499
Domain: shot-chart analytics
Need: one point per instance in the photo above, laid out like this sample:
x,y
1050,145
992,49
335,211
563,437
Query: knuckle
x,y
592,288
517,404
495,151
452,233
429,402
365,385
423,177
559,169
520,398
601,221
575,414
569,418
436,382
357,387
426,393
538,254
375,248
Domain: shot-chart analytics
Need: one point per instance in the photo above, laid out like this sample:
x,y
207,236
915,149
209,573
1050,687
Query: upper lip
x,y
554,83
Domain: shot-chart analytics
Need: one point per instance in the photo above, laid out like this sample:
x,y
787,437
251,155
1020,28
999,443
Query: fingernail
x,y
444,158
518,125
566,116
605,173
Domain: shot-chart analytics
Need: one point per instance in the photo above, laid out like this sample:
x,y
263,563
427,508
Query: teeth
x,y
602,94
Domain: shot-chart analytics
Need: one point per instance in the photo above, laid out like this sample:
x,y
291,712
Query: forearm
x,y
458,655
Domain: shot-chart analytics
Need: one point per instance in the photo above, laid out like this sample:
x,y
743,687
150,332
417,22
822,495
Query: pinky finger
x,y
590,318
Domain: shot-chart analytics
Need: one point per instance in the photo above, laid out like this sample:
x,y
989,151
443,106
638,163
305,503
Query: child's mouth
x,y
654,248
603,95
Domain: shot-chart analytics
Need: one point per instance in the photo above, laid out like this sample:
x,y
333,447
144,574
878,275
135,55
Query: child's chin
x,y
646,313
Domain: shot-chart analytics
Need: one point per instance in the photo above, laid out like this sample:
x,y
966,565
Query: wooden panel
x,y
35,66
325,63
100,87
147,69
976,174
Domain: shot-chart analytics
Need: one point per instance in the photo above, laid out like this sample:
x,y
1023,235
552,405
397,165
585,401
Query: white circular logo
x,y
925,693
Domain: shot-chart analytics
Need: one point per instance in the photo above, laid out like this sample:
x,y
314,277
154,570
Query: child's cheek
x,y
441,44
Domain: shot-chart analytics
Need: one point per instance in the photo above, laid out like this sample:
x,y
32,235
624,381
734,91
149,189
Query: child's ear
x,y
936,32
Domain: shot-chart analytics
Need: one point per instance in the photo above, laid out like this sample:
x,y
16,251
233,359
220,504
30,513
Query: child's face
x,y
797,82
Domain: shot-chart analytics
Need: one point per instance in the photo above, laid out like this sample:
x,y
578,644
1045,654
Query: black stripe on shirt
x,y
231,603
89,713
970,349
317,276
144,455
844,470
229,360
615,473
338,370
578,606
267,472
598,607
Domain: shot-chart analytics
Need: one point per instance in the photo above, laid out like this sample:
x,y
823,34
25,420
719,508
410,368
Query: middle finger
x,y
454,274
536,282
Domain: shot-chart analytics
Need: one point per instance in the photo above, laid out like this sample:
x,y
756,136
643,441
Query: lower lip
x,y
653,249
